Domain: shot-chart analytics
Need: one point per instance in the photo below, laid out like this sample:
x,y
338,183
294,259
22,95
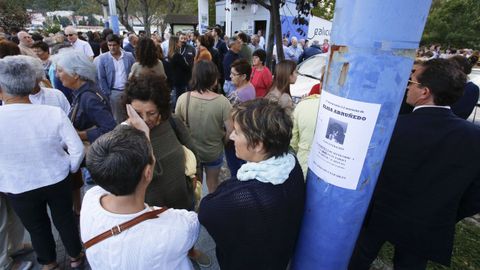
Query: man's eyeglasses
x,y
414,82
69,35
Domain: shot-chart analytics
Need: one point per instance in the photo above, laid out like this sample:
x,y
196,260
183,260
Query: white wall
x,y
244,19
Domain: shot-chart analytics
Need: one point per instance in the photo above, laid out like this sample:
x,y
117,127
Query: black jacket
x,y
430,179
309,52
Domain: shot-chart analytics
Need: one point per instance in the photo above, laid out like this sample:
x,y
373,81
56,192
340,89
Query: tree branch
x,y
262,3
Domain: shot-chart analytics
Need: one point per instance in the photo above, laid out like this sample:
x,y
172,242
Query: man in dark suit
x,y
430,178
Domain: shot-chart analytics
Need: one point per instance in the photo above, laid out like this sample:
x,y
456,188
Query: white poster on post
x,y
343,134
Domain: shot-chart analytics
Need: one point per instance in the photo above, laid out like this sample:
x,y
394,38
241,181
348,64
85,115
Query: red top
x,y
315,89
325,47
261,80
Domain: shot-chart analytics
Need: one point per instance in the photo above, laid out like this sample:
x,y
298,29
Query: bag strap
x,y
186,112
124,226
73,116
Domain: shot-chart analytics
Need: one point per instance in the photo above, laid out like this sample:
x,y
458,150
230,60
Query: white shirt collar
x,y
431,106
121,55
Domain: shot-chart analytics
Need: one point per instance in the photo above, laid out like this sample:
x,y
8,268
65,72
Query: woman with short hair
x,y
90,113
207,115
240,75
285,74
262,204
240,72
36,159
261,76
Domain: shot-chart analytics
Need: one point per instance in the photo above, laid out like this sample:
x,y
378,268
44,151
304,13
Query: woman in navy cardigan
x,y
254,217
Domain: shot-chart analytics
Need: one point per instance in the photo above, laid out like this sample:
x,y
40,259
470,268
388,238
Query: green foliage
x,y
13,14
211,12
325,9
466,249
52,28
453,23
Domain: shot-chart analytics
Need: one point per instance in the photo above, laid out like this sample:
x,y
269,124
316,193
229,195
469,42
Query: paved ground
x,y
205,242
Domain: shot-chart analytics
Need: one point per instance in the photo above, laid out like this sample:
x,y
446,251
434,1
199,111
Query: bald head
x,y
25,39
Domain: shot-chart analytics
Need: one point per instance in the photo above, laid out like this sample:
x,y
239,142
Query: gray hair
x,y
36,65
76,63
70,30
131,37
17,76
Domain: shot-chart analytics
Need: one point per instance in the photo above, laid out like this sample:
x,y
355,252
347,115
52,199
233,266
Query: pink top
x,y
261,80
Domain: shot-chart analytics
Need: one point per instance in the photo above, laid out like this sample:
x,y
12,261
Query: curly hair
x,y
150,87
265,121
146,52
261,54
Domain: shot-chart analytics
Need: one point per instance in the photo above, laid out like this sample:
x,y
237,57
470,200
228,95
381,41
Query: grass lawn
x,y
466,250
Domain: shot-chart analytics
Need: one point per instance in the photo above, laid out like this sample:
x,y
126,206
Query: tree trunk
x,y
122,8
146,17
275,30
275,17
270,60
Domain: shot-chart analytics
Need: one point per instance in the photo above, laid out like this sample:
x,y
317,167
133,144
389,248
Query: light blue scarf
x,y
273,170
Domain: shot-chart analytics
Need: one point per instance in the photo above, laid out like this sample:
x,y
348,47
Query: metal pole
x,y
228,18
105,15
373,49
113,17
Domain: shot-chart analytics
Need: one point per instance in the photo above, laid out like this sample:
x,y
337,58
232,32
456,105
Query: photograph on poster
x,y
343,133
336,130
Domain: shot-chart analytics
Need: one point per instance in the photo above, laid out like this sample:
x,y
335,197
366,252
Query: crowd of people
x,y
146,120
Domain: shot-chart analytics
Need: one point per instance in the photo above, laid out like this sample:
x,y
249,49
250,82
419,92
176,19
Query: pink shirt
x,y
261,80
